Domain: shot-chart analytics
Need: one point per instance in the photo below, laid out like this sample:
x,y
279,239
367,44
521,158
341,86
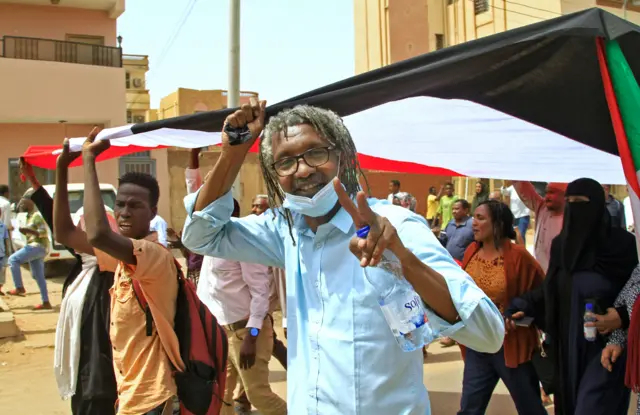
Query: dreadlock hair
x,y
502,219
329,126
143,180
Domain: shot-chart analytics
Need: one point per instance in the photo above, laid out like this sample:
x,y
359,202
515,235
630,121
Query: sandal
x,y
16,292
44,306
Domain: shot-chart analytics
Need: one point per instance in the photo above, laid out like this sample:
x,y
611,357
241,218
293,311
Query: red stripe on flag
x,y
42,156
628,167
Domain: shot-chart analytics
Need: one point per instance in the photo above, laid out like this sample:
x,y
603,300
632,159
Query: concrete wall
x,y
178,159
55,22
41,91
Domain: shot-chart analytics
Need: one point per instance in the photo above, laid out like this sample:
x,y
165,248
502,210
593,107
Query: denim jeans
x,y
523,224
34,255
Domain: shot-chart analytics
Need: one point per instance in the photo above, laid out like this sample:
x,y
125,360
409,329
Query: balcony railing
x,y
60,51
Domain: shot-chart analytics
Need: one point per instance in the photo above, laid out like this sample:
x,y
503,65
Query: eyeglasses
x,y
314,157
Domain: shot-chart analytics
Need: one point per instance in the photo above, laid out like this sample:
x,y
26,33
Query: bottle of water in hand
x,y
590,333
401,305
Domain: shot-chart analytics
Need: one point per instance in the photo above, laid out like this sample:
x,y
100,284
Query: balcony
x,y
60,51
45,81
114,8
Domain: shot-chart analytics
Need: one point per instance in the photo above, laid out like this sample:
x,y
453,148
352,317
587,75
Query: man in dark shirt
x,y
615,208
458,233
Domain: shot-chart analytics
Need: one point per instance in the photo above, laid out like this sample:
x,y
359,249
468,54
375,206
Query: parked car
x,y
76,198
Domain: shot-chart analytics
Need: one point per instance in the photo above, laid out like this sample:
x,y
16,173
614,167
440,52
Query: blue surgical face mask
x,y
319,205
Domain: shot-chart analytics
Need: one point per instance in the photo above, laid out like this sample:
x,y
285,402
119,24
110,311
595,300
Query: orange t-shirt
x,y
144,364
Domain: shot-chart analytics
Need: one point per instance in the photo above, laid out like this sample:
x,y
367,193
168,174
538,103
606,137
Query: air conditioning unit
x,y
137,82
138,118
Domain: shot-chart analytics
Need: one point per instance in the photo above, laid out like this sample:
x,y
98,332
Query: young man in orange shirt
x,y
143,364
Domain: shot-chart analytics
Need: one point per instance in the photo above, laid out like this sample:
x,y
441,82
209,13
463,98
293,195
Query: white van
x,y
57,252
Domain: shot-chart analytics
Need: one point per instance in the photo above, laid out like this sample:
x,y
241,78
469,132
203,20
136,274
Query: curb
x,y
8,326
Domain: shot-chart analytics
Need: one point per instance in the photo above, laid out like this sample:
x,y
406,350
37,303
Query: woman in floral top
x,y
624,320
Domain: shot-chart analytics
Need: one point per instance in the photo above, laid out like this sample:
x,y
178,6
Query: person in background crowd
x,y
394,188
5,249
628,214
33,253
615,208
208,287
520,211
445,210
144,365
503,270
482,194
82,355
433,203
622,321
193,181
590,263
5,217
407,201
458,234
336,327
237,293
159,226
549,213
495,195
259,205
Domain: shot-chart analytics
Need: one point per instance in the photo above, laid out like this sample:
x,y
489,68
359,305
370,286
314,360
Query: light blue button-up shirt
x,y
343,359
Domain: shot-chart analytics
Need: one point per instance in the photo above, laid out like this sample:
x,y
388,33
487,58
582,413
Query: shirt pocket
x,y
124,292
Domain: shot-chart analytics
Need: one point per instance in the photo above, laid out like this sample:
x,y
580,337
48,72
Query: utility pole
x,y
233,93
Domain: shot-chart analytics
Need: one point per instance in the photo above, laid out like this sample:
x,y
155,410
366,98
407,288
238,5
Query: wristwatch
x,y
254,332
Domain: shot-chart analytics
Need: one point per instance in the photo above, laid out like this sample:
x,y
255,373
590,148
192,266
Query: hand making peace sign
x,y
382,234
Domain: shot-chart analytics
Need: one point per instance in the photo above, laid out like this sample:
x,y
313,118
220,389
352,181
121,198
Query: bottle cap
x,y
589,306
363,232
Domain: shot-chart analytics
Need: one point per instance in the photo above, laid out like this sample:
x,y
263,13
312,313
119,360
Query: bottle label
x,y
405,316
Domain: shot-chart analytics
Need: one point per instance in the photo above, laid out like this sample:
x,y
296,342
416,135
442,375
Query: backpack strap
x,y
137,290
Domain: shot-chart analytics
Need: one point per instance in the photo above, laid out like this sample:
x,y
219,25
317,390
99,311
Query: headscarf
x,y
587,241
480,197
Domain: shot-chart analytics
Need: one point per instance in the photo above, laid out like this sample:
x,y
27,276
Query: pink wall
x,y
54,22
15,138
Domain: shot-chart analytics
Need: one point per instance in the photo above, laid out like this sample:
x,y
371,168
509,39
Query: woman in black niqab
x,y
589,263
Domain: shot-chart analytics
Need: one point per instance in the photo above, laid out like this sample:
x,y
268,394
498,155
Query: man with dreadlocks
x,y
343,359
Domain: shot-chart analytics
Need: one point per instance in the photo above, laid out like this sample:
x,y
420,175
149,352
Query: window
x,y
139,162
127,80
129,117
17,187
439,41
480,6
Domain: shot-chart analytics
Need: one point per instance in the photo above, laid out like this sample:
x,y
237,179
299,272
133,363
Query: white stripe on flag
x,y
459,135
635,209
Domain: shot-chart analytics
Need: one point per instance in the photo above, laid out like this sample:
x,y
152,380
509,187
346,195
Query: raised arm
x,y
231,157
65,232
528,195
99,232
192,173
40,197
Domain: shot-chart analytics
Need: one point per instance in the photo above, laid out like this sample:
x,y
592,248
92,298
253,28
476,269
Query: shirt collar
x,y
341,220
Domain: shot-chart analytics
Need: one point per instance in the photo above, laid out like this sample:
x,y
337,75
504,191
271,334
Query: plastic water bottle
x,y
590,333
401,305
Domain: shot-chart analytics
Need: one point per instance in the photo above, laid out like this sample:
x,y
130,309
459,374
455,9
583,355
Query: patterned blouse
x,y
627,298
489,277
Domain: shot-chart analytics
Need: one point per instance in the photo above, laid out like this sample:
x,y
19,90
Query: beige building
x,y
60,74
138,100
388,31
171,163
